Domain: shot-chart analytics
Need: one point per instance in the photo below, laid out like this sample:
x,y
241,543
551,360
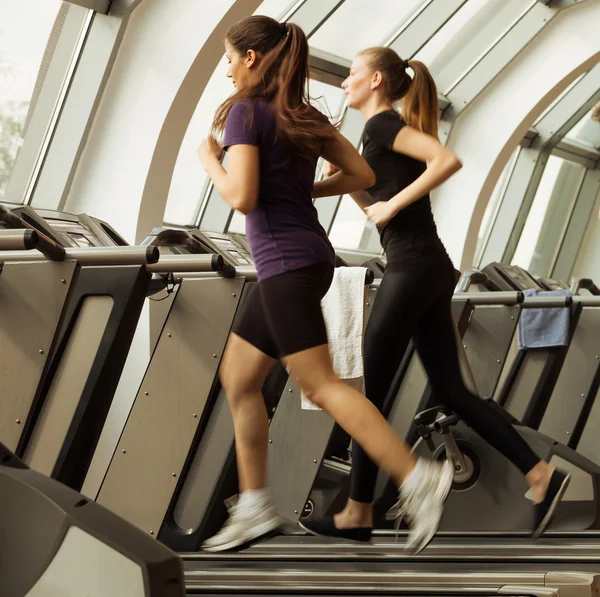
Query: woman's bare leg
x,y
243,371
352,411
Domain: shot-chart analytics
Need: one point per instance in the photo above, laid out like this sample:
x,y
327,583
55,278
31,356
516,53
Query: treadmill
x,y
454,563
77,298
80,303
191,479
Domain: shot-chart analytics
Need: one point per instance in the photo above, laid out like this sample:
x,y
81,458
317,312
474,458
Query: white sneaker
x,y
423,503
243,525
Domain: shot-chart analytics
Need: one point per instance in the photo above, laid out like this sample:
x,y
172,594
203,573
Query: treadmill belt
x,y
479,564
369,579
517,548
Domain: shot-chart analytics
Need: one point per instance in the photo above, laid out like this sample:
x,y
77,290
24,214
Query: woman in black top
x,y
414,298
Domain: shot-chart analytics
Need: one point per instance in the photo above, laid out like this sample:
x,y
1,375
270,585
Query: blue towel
x,y
544,327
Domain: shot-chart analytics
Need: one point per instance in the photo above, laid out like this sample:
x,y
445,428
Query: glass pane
x,y
467,35
352,230
327,98
560,97
189,179
25,28
492,207
238,223
359,24
549,215
586,131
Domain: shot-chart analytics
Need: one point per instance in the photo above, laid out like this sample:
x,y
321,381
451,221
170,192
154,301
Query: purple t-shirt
x,y
283,229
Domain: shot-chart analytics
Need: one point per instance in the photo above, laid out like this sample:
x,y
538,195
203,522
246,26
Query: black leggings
x,y
415,301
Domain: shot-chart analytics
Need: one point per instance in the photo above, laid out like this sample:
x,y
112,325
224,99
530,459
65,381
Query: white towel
x,y
344,312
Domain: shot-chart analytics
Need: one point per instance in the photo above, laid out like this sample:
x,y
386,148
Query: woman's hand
x,y
209,149
380,213
328,169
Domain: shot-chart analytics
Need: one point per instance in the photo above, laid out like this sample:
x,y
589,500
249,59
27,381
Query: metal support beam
x,y
574,152
536,147
575,231
327,68
78,107
101,6
327,207
525,27
45,113
422,26
311,15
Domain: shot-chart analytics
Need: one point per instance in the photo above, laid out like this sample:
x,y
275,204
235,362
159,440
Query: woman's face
x,y
358,85
239,66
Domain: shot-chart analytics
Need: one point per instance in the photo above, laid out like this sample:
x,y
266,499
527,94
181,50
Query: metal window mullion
x,y
52,127
100,6
310,15
572,152
569,110
423,25
580,218
555,219
465,89
512,200
42,118
494,218
499,55
550,131
566,224
216,212
328,207
201,206
525,205
334,214
55,36
77,113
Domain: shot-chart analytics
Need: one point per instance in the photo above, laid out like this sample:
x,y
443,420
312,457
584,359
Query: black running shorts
x,y
282,315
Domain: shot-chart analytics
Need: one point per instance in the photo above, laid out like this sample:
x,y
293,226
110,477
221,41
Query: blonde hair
x,y
420,108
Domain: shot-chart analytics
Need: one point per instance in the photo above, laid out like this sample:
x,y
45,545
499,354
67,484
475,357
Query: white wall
x,y
141,116
487,132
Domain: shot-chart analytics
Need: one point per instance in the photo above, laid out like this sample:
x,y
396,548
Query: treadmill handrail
x,y
45,245
18,240
114,255
94,255
531,302
191,263
249,272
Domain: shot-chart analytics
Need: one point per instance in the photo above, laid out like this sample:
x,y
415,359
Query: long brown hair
x,y
281,79
420,108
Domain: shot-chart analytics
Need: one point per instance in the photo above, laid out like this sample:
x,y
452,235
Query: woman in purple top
x,y
274,138
415,295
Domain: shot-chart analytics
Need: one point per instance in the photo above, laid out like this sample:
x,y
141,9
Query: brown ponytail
x,y
280,78
420,108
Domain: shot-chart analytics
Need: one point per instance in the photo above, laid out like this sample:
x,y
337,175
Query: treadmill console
x,y
69,230
510,277
550,284
376,265
232,247
234,250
